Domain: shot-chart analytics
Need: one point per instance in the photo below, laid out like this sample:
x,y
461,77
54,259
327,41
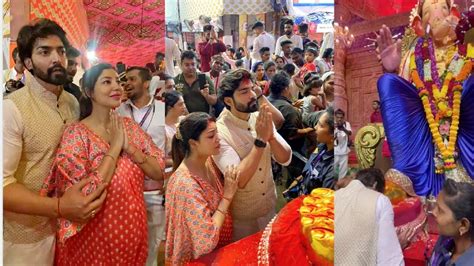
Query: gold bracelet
x,y
145,158
229,200
113,158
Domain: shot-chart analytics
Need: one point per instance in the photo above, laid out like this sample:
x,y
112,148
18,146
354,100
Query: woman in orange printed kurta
x,y
196,202
119,157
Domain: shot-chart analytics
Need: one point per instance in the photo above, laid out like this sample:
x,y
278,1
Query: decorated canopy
x,y
192,9
131,31
70,14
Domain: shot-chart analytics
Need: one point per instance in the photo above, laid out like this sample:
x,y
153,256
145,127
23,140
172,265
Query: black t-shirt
x,y
73,89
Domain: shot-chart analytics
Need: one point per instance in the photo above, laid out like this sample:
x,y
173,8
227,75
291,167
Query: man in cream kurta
x,y
34,118
360,208
244,142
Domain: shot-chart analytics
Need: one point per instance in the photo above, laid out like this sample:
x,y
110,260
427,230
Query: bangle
x,y
108,155
145,158
221,211
229,200
59,212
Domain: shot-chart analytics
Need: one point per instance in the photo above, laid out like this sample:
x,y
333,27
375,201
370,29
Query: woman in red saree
x,y
104,148
196,201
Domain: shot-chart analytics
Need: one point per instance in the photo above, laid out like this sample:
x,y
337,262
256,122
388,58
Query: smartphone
x,y
202,80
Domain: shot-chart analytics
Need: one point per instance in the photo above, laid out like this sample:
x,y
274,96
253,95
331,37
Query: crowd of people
x,y
110,150
105,172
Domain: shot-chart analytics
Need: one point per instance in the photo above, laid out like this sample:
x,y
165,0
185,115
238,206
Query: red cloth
x,y
242,252
207,50
266,89
376,117
288,245
386,149
414,254
308,67
117,235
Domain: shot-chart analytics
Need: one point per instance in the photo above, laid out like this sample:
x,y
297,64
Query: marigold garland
x,y
440,103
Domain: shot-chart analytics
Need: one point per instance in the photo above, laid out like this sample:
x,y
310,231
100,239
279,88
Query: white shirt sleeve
x,y
255,54
12,141
277,46
227,156
272,39
389,251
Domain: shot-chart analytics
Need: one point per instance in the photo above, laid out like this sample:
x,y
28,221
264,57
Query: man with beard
x,y
149,113
34,118
72,55
288,36
248,139
209,47
197,98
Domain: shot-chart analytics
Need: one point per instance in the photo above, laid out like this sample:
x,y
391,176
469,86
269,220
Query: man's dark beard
x,y
288,32
250,108
56,78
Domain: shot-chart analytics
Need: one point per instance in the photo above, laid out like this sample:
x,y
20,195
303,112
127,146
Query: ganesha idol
x,y
428,108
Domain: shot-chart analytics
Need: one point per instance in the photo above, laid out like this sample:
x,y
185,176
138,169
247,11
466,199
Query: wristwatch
x,y
259,143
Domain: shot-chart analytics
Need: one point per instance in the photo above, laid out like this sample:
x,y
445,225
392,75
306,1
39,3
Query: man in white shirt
x,y
361,207
171,53
263,39
288,30
341,149
150,115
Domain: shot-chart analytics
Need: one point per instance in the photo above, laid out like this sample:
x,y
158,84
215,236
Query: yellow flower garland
x,y
440,98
